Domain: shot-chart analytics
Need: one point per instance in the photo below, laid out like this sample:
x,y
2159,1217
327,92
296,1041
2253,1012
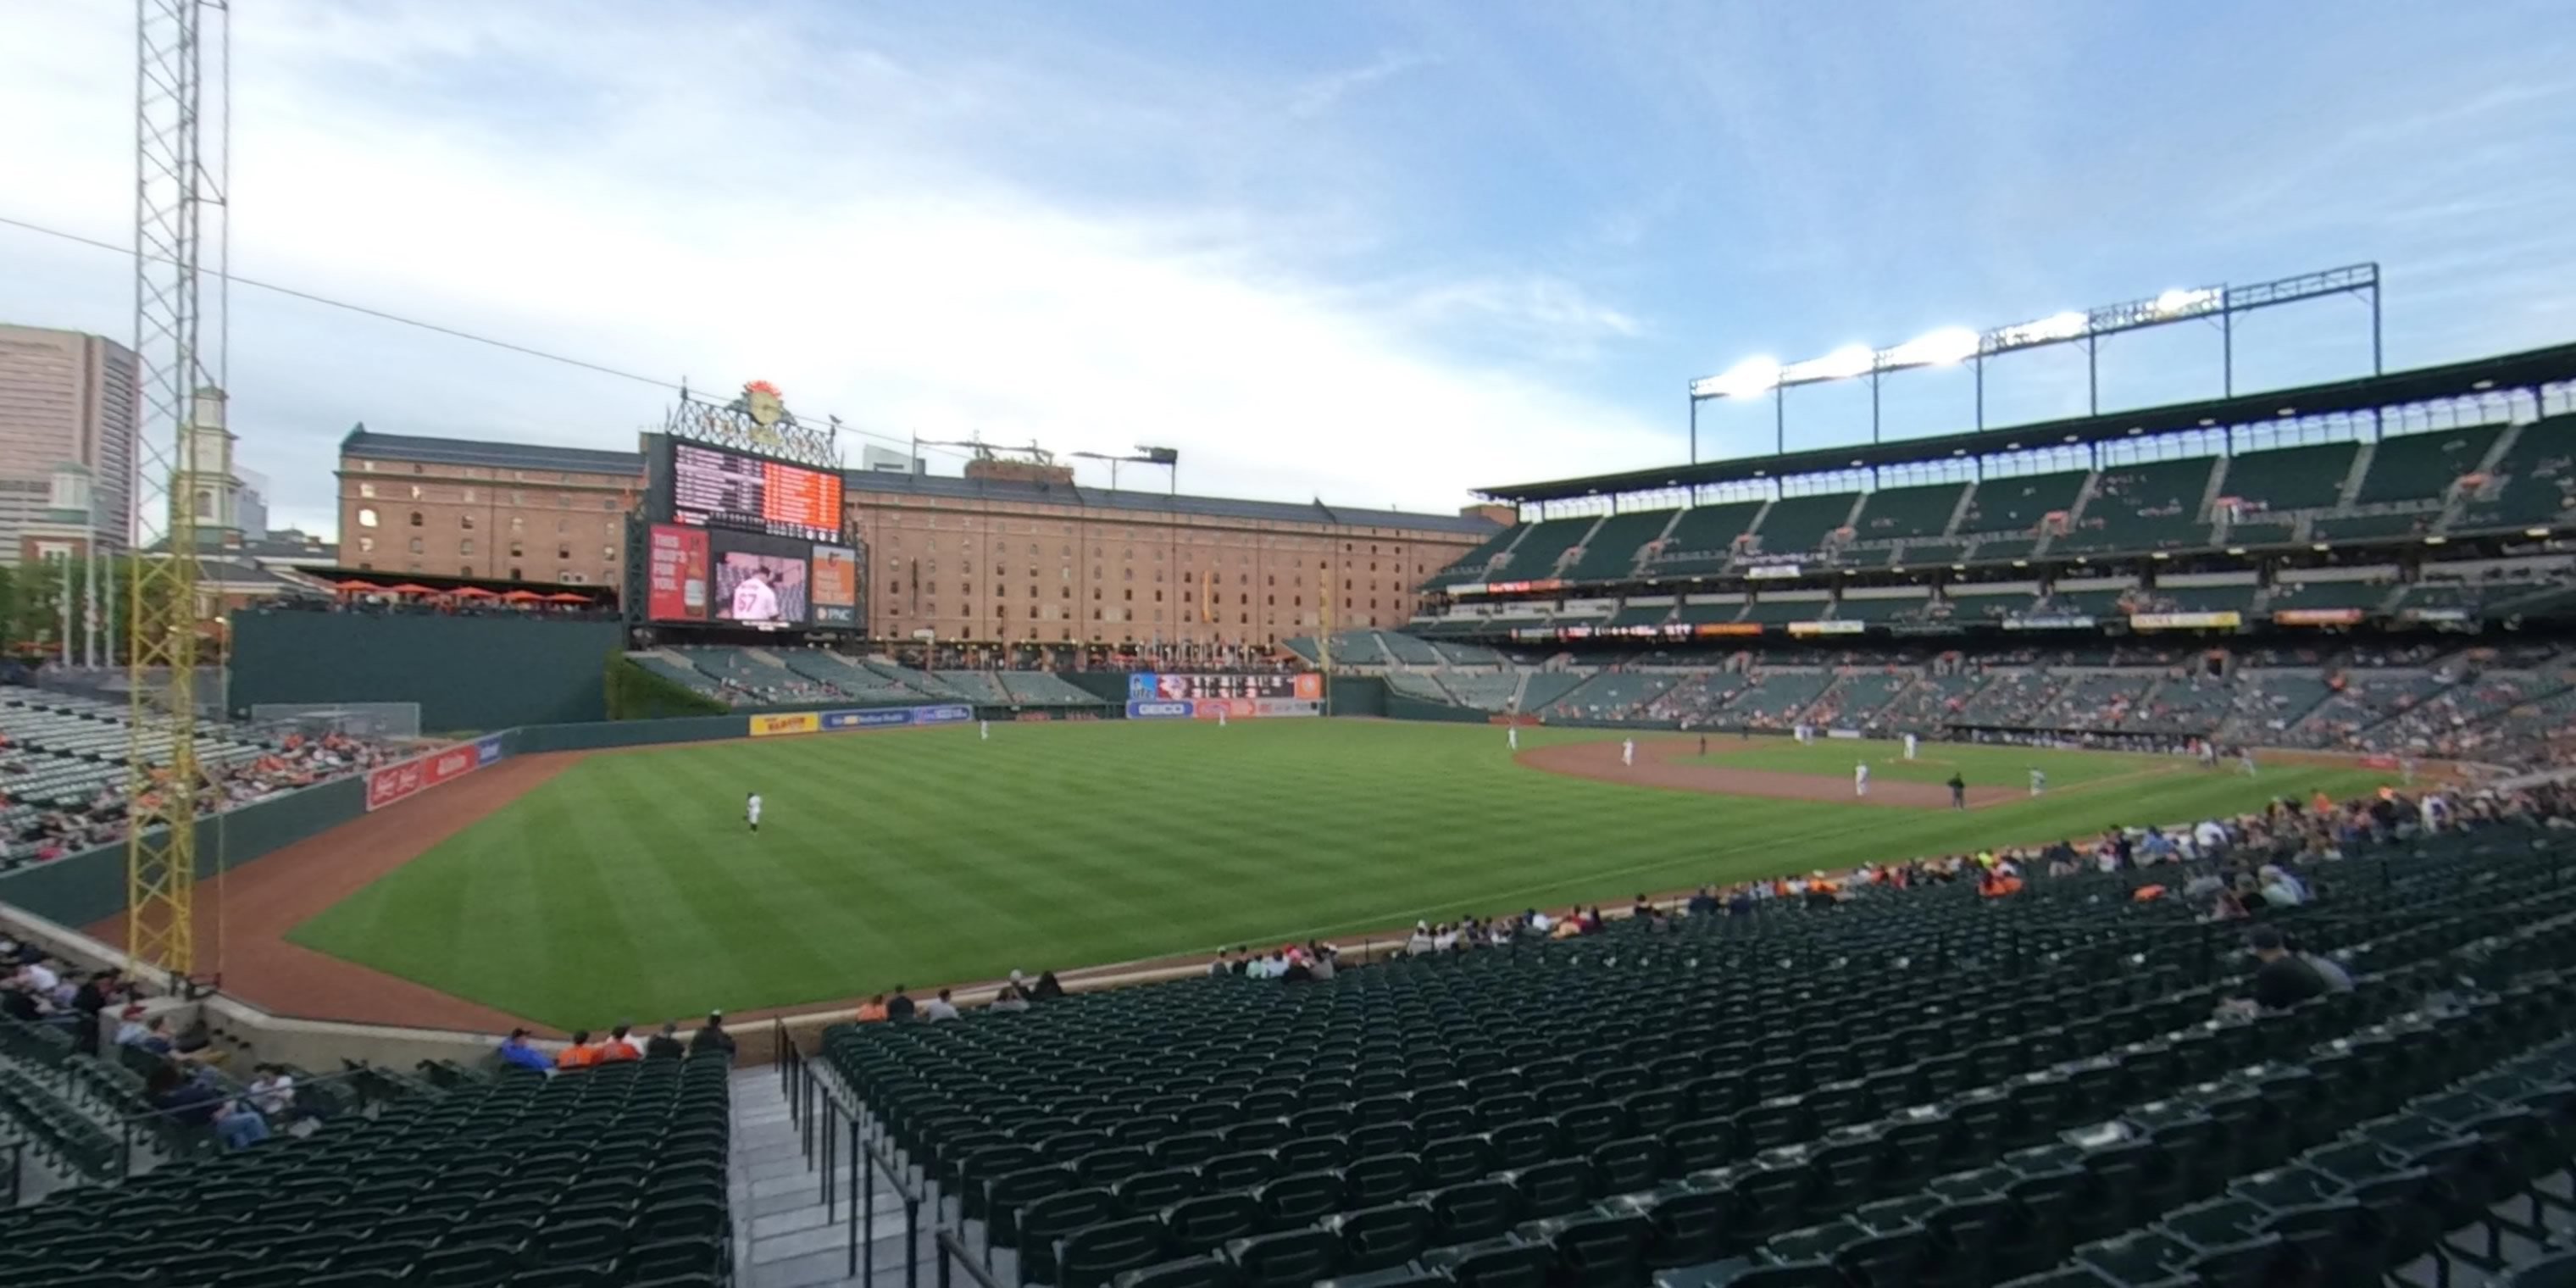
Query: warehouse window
x,y
366,516
415,545
415,518
465,546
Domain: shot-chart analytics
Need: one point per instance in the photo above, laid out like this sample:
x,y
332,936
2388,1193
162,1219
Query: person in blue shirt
x,y
516,1051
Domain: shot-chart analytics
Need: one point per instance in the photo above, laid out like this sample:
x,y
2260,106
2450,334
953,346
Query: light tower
x,y
180,163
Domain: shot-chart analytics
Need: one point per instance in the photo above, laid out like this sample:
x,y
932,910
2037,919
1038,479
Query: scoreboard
x,y
712,487
1191,688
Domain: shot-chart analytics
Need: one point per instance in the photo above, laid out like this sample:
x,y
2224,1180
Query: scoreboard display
x,y
1184,688
714,488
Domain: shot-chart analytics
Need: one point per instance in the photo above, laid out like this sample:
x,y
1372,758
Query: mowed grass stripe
x,y
629,888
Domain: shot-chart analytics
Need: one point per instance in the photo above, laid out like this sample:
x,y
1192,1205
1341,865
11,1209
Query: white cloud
x,y
638,193
1325,92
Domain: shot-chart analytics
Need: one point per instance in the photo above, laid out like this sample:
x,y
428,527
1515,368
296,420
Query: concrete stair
x,y
785,1234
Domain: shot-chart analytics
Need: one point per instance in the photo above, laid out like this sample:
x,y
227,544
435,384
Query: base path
x,y
242,921
1664,763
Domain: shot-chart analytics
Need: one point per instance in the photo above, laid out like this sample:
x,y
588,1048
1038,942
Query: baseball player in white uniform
x,y
1909,746
1627,751
1512,735
1860,779
751,810
2038,782
983,731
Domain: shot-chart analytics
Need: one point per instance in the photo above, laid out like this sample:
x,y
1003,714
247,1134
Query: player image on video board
x,y
760,583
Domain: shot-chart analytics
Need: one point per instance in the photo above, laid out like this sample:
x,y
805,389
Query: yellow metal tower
x,y
179,215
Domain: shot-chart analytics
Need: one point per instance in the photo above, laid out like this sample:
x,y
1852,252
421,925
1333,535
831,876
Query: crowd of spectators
x,y
294,762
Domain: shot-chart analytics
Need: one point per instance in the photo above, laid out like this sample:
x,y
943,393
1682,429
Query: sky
x,y
1374,253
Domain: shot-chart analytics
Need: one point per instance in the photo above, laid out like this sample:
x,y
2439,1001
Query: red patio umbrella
x,y
353,585
522,597
567,597
408,588
474,592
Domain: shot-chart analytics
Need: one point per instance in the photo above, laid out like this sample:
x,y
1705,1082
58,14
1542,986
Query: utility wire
x,y
435,328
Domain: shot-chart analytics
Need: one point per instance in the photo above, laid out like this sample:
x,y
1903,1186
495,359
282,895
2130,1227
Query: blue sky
x,y
1378,253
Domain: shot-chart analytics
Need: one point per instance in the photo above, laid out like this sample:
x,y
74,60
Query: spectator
x,y
620,1046
580,1055
873,1010
939,1008
1048,989
1010,1001
130,1028
712,1037
665,1045
516,1052
91,1003
900,1006
1224,963
2284,979
272,1092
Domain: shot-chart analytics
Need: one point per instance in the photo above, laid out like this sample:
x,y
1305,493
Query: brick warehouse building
x,y
1010,552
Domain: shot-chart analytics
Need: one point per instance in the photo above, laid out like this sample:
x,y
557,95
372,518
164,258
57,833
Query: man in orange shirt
x,y
873,1010
580,1055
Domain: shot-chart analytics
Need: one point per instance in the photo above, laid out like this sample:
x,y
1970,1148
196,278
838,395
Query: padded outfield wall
x,y
467,673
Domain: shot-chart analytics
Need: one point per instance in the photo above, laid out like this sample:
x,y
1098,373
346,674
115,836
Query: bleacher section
x,y
1611,553
1779,1100
2289,478
975,686
1703,539
2423,467
1470,567
1609,695
2016,505
1483,690
610,1175
1908,512
63,764
1775,699
1041,689
1545,687
2533,483
1535,556
1797,524
2149,506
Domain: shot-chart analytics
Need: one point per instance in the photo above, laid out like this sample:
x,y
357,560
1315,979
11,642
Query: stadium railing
x,y
837,1143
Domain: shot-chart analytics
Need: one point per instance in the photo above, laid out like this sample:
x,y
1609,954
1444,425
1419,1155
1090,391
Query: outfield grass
x,y
626,887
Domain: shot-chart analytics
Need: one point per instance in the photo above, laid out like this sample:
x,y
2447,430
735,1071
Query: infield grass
x,y
627,888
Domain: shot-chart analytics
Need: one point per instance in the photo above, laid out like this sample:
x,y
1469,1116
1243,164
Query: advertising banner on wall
x,y
2060,622
2317,616
1160,710
771,726
2186,621
675,587
836,586
412,777
1824,628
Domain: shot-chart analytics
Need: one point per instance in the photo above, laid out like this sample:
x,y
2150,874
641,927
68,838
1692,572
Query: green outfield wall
x,y
466,672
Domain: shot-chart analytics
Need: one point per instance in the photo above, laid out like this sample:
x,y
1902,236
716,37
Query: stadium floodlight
x,y
2056,328
2179,303
1747,379
1945,347
1949,346
1842,364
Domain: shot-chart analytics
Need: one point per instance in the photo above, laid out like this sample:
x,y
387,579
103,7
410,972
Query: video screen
x,y
836,586
761,584
676,588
